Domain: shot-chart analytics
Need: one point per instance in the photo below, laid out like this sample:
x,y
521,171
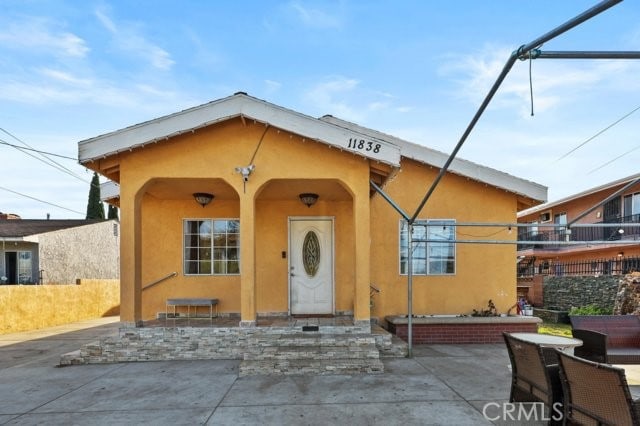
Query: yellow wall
x,y
30,307
483,271
164,175
156,183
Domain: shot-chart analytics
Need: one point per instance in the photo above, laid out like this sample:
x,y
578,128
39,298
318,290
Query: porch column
x,y
130,257
247,261
361,218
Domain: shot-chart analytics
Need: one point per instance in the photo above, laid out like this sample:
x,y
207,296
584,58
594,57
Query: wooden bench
x,y
612,339
195,302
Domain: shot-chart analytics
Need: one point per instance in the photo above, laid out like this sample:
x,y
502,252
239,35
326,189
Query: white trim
x,y
212,274
109,190
422,222
238,105
458,166
333,256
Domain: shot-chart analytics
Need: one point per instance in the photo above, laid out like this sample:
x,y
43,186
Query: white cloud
x,y
272,86
65,77
40,34
128,39
315,18
332,97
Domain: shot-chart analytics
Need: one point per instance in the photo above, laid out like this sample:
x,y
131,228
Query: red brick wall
x,y
461,333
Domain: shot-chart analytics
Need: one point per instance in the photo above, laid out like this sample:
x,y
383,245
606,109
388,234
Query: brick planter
x,y
461,329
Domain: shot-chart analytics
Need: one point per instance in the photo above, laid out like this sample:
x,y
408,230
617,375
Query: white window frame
x,y
427,247
212,248
24,266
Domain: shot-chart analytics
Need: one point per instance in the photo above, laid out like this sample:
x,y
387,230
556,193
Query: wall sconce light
x,y
308,198
620,254
203,198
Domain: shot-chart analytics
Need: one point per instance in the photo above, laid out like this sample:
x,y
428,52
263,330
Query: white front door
x,y
311,266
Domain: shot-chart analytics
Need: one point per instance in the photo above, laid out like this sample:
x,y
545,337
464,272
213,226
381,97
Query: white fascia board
x,y
109,190
458,166
238,105
477,172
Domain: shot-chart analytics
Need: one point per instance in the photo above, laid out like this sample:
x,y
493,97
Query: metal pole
x,y
584,55
389,200
410,289
521,52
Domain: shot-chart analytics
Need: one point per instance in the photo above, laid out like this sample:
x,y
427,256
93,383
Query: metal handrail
x,y
159,280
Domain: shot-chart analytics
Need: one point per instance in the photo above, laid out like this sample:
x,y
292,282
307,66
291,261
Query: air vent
x,y
310,328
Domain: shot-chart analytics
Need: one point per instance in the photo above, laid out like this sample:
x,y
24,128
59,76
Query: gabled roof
x,y
16,228
607,186
238,105
329,130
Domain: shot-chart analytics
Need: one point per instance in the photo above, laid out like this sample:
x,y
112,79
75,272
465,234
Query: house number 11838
x,y
364,145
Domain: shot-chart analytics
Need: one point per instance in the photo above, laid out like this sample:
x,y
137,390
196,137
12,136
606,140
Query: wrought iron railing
x,y
629,229
614,266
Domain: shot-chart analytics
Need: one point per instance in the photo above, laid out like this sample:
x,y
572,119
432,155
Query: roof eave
x,y
238,105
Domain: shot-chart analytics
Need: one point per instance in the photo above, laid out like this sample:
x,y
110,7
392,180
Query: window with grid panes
x,y
211,247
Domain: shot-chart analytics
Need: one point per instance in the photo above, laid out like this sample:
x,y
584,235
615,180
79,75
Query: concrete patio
x,y
441,384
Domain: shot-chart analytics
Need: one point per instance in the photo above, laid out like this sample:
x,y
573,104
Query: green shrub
x,y
590,310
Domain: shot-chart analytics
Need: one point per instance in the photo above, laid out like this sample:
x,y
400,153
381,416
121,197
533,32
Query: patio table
x,y
549,343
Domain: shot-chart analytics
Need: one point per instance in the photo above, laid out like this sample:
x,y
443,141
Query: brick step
x,y
308,366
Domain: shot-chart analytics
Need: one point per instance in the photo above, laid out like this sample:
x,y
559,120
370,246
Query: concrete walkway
x,y
442,384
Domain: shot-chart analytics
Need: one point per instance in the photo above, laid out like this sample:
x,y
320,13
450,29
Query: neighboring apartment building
x,y
273,213
34,251
590,233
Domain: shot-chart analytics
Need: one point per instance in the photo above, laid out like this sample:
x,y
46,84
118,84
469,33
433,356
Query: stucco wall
x,y
160,179
32,307
89,251
563,293
483,271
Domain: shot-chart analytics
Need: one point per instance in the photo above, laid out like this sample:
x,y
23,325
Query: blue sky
x,y
71,70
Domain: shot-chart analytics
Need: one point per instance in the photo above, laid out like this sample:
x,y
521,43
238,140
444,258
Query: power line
x,y
48,161
611,161
3,142
41,201
598,134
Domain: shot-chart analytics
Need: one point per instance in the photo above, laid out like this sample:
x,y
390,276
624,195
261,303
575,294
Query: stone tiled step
x,y
390,346
320,367
311,354
314,352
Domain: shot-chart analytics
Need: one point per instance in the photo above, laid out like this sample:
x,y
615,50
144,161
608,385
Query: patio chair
x,y
595,393
532,380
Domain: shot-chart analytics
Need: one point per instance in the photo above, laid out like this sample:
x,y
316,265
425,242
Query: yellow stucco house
x,y
271,212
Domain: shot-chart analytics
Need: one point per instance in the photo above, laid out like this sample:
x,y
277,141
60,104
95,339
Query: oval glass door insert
x,y
311,253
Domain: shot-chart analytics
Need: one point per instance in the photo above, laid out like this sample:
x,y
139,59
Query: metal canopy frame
x,y
526,51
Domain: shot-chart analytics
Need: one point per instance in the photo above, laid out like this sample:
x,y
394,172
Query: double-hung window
x,y
433,247
211,247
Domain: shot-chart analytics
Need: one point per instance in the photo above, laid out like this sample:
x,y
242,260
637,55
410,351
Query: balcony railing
x,y
628,229
615,266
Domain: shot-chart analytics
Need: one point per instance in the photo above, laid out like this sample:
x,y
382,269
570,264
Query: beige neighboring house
x,y
34,251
